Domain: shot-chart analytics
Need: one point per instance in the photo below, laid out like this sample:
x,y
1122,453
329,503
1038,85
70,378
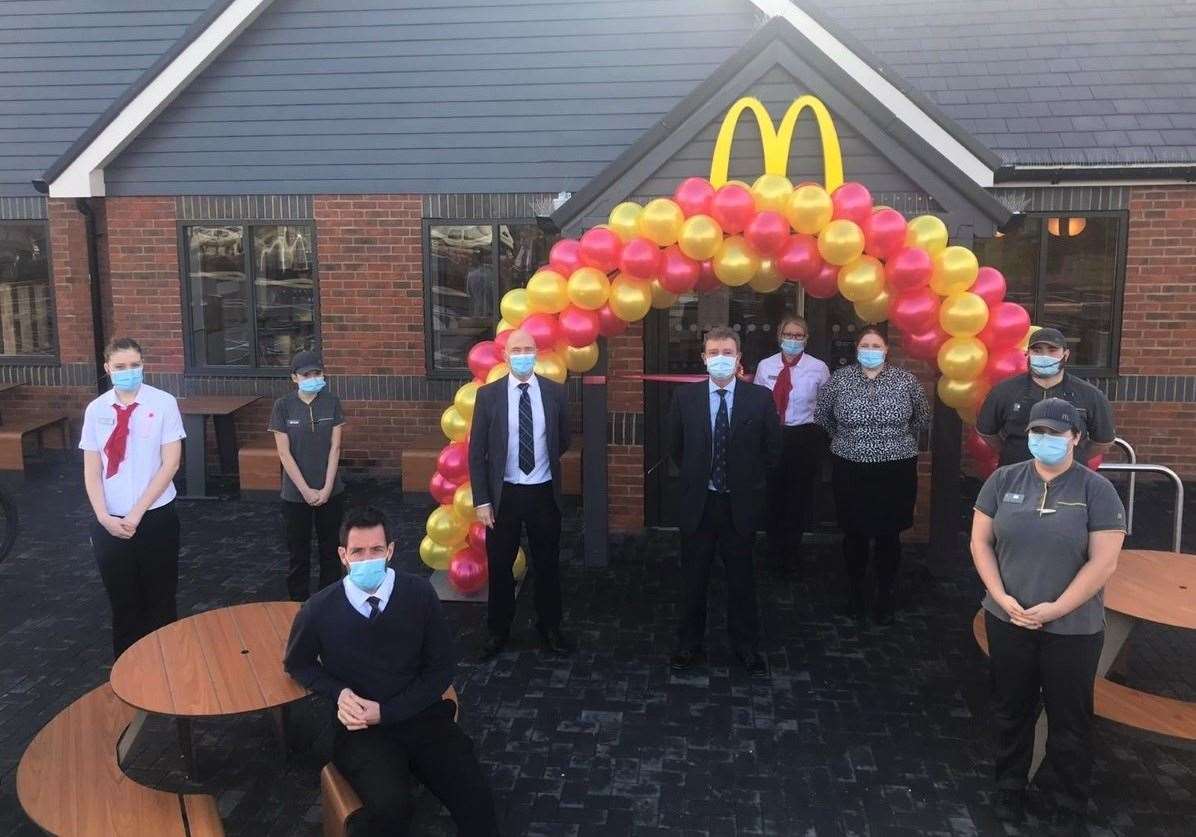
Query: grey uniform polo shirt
x,y
309,431
1041,532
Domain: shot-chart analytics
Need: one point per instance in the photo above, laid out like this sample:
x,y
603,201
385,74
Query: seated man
x,y
379,646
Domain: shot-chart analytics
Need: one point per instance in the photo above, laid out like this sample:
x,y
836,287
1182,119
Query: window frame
x,y
53,357
190,365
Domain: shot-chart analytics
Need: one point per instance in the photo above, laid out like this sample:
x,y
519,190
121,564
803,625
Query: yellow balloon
x,y
661,222
955,270
772,192
581,360
968,414
767,278
453,424
547,292
809,209
927,232
550,365
861,279
499,370
700,237
956,393
1025,344
875,310
588,288
463,504
519,568
464,400
736,262
841,241
624,220
963,358
435,555
630,300
963,314
660,297
514,306
502,326
446,528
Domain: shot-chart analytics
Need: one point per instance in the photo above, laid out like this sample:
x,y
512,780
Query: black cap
x,y
1050,336
1055,413
304,362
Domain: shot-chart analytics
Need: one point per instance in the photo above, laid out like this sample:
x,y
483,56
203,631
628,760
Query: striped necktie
x,y
373,602
722,430
527,443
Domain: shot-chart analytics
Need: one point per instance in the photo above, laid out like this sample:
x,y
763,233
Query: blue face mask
x,y
367,576
720,367
870,358
1049,450
1044,366
522,365
311,385
127,380
793,347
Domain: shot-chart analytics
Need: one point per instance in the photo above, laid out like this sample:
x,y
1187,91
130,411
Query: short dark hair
x,y
721,333
363,517
120,344
871,329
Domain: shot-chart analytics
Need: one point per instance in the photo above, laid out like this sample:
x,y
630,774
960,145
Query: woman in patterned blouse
x,y
873,412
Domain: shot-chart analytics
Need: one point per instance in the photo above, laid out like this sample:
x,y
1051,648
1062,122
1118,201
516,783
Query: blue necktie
x,y
527,445
722,430
373,602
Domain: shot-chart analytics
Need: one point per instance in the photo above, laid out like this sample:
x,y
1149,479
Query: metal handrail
x,y
1128,468
1133,457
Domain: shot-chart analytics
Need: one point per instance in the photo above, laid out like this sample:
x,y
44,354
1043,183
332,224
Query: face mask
x,y
870,358
127,380
1049,450
721,367
522,365
368,575
1044,366
791,346
311,385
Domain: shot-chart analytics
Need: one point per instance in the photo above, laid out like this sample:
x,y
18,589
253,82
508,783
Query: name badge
x,y
294,422
1014,498
107,421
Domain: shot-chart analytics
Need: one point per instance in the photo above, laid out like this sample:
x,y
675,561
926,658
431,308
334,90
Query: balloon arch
x,y
717,232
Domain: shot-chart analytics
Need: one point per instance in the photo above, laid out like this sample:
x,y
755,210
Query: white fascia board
x,y
84,177
901,106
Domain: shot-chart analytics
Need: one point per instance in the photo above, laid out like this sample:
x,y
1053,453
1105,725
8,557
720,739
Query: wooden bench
x,y
418,462
337,796
12,440
69,781
259,469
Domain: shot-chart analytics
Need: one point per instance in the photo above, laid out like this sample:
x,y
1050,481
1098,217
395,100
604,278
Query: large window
x,y
1068,272
469,267
26,307
251,294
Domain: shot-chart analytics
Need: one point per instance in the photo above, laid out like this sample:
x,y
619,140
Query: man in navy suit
x,y
725,437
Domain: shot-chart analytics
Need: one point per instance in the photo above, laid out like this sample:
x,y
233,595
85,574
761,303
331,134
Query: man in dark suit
x,y
725,436
520,429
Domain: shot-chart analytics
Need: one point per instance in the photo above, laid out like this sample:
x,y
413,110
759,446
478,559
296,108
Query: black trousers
x,y
1033,669
141,575
532,507
791,489
716,532
884,549
383,764
299,519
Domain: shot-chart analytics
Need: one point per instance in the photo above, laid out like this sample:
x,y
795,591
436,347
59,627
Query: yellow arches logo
x,y
776,142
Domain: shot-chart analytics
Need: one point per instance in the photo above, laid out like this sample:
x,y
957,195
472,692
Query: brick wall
x,y
625,463
72,281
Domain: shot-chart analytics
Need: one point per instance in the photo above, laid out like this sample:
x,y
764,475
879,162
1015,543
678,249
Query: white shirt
x,y
155,422
714,405
541,473
357,597
808,375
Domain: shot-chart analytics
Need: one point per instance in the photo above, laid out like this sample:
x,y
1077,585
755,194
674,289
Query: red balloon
x,y
544,329
825,284
641,258
908,268
694,196
1095,462
601,248
680,273
989,286
925,345
453,462
1005,363
915,311
482,358
1007,324
884,233
609,324
468,571
974,446
733,207
852,201
501,339
799,260
579,327
565,256
767,232
442,489
477,536
707,281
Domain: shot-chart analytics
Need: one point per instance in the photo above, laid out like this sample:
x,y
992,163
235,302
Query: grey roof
x,y
1043,82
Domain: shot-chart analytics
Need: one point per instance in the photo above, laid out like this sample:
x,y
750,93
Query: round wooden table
x,y
1155,586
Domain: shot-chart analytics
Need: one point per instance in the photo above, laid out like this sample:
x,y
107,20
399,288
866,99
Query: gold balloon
x,y
519,568
547,292
550,365
435,555
453,424
499,370
861,279
661,222
736,262
700,237
771,192
955,270
514,306
581,360
875,310
963,314
660,297
502,326
963,358
624,220
968,414
446,528
463,504
809,209
767,278
956,393
464,400
630,300
927,232
1025,344
588,288
841,241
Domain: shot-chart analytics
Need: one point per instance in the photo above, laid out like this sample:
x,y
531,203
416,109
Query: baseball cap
x,y
1055,413
304,362
1049,336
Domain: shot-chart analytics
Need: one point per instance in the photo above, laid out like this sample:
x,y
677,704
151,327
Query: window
x,y
251,295
1068,272
470,265
26,307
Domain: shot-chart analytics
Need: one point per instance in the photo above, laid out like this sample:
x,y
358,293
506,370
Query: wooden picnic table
x,y
9,386
195,410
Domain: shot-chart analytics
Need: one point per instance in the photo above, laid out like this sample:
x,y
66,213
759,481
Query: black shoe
x,y
494,646
554,642
883,613
855,606
753,662
1010,805
685,660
